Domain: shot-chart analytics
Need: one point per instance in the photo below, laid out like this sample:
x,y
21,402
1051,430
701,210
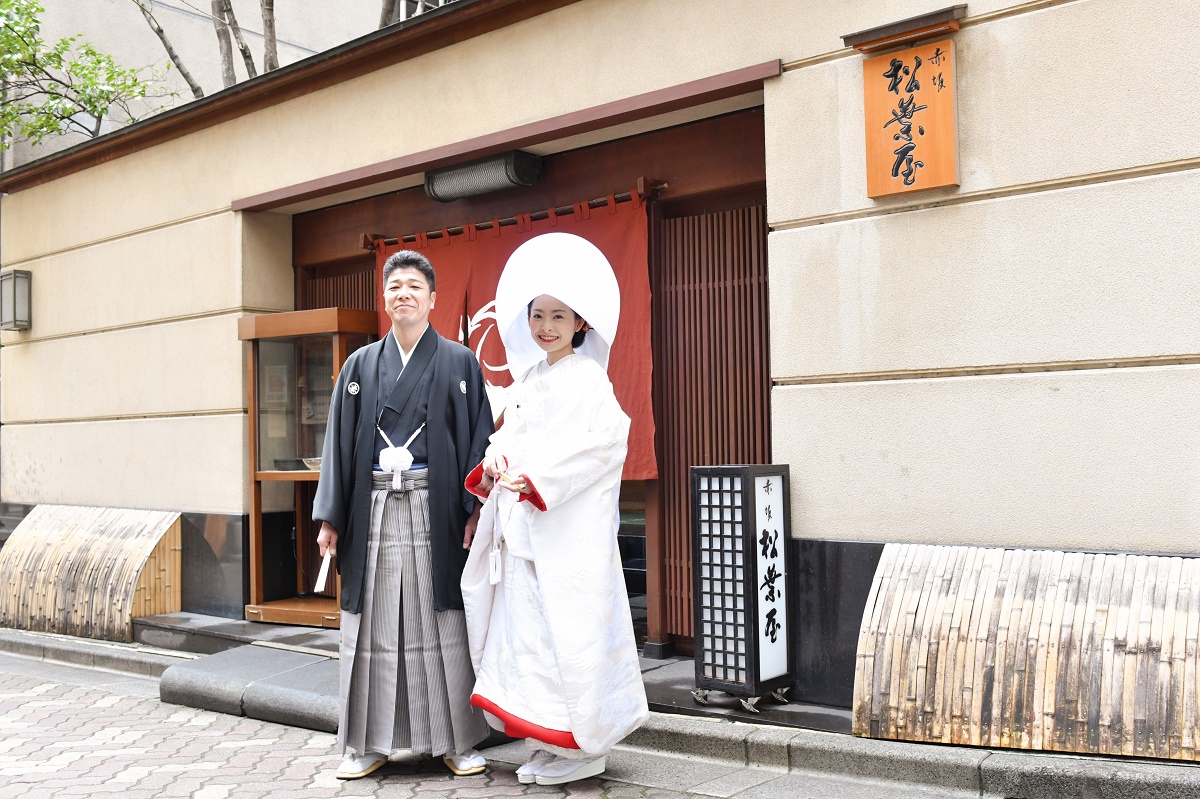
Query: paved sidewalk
x,y
67,731
69,726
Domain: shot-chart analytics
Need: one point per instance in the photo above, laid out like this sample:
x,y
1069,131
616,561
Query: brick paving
x,y
103,734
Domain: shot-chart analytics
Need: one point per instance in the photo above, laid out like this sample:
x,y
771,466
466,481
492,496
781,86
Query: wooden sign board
x,y
911,122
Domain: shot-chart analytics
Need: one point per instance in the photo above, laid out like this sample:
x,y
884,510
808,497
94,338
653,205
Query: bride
x,y
547,614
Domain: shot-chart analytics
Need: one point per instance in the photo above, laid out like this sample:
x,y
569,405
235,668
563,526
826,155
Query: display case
x,y
292,361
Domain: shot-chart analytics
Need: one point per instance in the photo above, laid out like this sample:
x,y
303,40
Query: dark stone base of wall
x,y
215,561
829,588
11,514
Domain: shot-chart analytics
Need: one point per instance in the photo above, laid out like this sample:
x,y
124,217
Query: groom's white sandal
x,y
560,770
355,766
465,764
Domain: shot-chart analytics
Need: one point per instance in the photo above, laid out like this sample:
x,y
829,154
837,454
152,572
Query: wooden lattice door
x,y
711,369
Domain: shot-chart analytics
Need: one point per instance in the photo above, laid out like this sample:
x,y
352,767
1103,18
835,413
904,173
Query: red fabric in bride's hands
x,y
516,727
468,270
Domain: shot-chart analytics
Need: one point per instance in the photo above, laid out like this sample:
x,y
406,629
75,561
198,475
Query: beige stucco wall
x,y
1034,105
1103,271
1066,460
129,388
1070,239
147,370
186,463
460,97
1011,269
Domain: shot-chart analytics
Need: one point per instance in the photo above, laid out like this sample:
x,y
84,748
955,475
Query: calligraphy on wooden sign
x,y
911,122
772,577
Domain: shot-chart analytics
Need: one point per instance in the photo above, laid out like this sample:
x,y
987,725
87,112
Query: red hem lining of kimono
x,y
516,727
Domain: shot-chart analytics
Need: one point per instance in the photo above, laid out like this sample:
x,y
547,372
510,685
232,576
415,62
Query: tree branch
x,y
236,29
197,92
386,13
226,47
270,43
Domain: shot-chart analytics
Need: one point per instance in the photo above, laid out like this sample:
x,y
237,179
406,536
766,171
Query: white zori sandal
x,y
527,774
355,766
465,764
561,770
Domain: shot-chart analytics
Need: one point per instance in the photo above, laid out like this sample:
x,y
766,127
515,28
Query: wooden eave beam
x,y
642,106
304,323
907,31
433,30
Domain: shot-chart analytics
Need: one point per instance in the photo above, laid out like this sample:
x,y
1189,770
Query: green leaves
x,y
50,89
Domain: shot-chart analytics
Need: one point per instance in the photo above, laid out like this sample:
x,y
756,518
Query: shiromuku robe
x,y
552,644
458,421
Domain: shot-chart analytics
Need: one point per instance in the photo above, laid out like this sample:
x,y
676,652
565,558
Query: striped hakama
x,y
406,675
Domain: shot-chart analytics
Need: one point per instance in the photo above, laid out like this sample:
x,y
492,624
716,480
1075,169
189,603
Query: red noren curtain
x,y
469,266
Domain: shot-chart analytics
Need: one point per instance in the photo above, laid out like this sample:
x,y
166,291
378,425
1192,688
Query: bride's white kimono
x,y
552,642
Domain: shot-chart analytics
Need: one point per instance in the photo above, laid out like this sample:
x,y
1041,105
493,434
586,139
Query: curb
x,y
135,659
265,683
956,770
286,688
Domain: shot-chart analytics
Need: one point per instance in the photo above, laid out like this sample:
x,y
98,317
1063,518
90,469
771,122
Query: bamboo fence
x,y
89,571
1031,649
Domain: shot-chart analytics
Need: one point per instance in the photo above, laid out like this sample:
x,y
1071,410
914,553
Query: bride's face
x,y
553,324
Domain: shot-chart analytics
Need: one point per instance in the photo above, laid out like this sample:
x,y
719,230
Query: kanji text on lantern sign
x,y
772,582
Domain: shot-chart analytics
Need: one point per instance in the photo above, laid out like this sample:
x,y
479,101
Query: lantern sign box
x,y
741,534
911,121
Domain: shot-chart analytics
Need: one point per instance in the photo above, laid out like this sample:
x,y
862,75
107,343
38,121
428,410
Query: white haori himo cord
x,y
396,459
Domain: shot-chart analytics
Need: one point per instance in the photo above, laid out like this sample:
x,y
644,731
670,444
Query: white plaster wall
x,y
1099,460
1103,271
117,28
188,464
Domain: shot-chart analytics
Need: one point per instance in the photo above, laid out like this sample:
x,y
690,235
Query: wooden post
x,y
255,537
658,642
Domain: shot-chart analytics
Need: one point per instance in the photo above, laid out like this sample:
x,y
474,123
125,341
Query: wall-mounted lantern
x,y
741,534
15,299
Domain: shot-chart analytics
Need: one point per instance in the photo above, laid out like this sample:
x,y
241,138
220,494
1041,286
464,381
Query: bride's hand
x,y
493,466
518,486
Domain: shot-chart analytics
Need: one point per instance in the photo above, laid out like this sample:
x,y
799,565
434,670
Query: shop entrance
x,y
707,272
